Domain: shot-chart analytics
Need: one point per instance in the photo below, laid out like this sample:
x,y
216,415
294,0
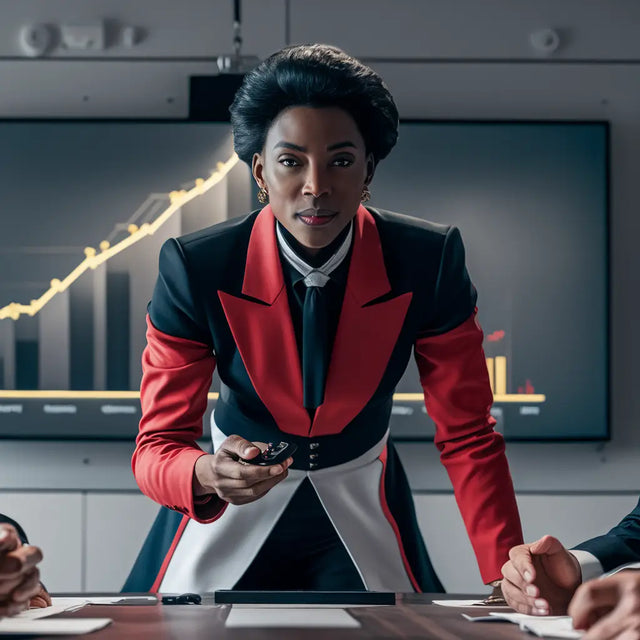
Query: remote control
x,y
273,454
183,598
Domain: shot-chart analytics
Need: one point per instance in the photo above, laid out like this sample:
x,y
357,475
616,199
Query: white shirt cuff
x,y
589,564
622,567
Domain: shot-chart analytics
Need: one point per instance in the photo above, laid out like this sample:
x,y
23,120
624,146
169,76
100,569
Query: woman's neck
x,y
314,257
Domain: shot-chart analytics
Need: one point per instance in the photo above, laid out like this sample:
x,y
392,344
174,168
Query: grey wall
x,y
441,59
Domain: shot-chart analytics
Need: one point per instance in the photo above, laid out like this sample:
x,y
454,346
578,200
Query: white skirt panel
x,y
214,556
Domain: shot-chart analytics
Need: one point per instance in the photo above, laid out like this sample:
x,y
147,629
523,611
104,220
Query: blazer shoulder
x,y
217,235
409,229
416,240
192,268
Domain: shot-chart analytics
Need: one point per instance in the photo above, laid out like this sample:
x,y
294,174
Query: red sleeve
x,y
176,376
453,374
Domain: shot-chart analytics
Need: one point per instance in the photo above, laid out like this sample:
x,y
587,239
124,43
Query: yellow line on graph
x,y
56,394
92,260
497,397
135,395
523,398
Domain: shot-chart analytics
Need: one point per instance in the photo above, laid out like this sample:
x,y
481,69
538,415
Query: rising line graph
x,y
93,259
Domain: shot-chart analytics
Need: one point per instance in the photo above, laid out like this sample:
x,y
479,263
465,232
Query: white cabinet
x,y
570,518
116,526
52,521
91,539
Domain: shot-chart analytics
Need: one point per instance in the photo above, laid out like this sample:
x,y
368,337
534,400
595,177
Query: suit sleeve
x,y
458,397
19,530
177,366
620,545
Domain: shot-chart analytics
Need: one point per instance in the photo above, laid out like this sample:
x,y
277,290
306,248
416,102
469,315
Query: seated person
x,y
20,586
543,578
608,608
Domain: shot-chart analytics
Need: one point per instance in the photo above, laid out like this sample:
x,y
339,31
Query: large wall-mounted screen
x,y
87,205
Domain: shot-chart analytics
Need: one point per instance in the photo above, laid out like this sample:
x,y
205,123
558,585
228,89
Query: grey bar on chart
x,y
8,353
26,351
207,209
100,327
140,264
81,332
239,184
117,330
54,342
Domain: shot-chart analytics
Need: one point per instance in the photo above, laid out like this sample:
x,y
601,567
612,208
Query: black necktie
x,y
315,350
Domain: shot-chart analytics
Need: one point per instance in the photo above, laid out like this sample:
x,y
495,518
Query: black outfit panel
x,y
303,551
309,552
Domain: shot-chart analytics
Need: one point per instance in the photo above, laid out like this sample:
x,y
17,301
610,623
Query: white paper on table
x,y
72,603
542,626
469,603
65,627
290,617
306,605
41,612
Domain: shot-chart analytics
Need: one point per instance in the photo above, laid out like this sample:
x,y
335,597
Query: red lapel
x,y
264,332
365,337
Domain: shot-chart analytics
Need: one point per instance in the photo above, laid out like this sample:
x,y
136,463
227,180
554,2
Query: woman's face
x,y
314,165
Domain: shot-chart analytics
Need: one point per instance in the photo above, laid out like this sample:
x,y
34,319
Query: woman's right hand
x,y
224,474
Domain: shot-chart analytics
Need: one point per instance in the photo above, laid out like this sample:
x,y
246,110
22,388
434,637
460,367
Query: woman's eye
x,y
289,162
342,162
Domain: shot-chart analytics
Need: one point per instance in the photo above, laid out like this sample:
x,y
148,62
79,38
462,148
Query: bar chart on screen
x,y
88,204
72,324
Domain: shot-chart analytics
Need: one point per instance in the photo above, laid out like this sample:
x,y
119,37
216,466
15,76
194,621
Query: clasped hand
x,y
19,576
540,578
543,578
224,473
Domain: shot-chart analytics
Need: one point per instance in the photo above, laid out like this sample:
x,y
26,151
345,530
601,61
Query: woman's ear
x,y
257,169
371,169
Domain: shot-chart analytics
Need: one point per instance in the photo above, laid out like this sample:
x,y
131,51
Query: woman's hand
x,y
19,575
232,480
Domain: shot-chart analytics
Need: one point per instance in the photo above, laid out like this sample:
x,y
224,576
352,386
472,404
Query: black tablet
x,y
338,598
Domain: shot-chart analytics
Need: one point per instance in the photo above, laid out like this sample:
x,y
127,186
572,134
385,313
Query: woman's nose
x,y
316,183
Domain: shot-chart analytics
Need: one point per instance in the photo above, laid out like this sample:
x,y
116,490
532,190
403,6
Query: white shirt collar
x,y
319,276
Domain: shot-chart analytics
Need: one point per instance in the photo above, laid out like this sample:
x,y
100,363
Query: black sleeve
x,y
618,546
173,308
455,296
21,534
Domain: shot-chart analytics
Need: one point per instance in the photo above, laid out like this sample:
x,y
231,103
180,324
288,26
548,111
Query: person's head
x,y
313,122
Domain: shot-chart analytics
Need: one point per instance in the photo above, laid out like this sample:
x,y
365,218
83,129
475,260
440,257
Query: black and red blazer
x,y
221,301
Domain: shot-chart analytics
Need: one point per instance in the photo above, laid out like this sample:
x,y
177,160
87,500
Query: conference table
x,y
413,616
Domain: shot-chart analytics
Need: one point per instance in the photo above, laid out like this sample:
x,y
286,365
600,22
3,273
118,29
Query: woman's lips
x,y
317,217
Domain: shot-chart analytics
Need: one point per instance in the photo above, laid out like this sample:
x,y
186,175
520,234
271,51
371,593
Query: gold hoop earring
x,y
263,195
366,194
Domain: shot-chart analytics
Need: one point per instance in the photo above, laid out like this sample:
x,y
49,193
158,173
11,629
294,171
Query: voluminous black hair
x,y
315,75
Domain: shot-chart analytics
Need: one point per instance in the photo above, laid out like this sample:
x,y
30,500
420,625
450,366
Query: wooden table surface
x,y
412,617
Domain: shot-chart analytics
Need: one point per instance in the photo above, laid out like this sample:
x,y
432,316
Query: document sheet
x,y
290,617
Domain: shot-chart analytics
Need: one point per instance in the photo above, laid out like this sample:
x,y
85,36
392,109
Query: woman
x,y
310,309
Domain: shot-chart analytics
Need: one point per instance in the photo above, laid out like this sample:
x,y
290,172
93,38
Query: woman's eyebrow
x,y
289,145
340,145
296,147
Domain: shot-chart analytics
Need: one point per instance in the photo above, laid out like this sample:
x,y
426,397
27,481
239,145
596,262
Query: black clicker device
x,y
273,454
